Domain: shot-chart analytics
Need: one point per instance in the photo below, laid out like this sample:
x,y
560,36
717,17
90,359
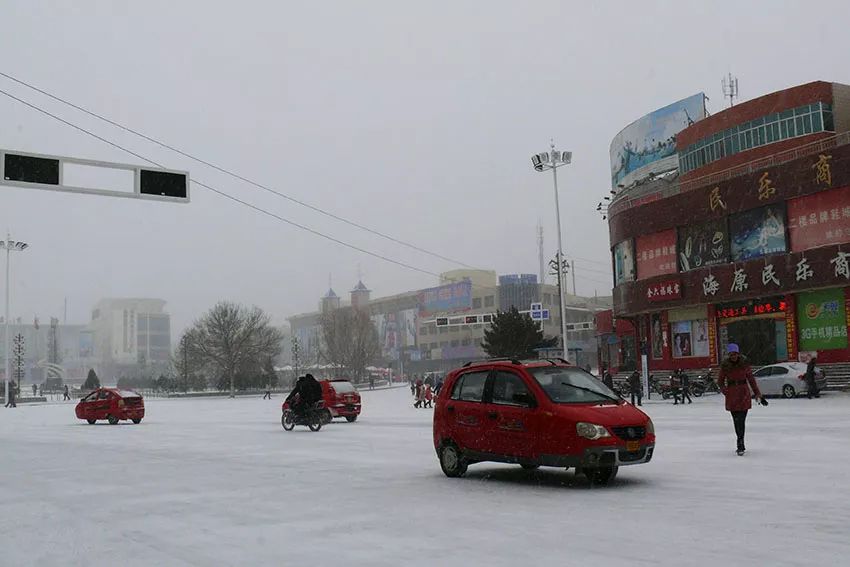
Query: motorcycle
x,y
313,417
703,385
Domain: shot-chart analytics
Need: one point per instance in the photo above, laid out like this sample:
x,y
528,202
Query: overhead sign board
x,y
38,171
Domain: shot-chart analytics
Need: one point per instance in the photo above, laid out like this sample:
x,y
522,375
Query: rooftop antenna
x,y
540,257
730,89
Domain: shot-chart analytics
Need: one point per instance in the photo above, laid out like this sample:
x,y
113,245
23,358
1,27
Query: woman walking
x,y
735,381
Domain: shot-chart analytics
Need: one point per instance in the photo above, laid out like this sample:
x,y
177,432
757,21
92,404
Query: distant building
x,y
406,322
131,336
51,343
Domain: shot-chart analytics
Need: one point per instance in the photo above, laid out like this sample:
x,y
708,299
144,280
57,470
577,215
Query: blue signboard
x,y
446,298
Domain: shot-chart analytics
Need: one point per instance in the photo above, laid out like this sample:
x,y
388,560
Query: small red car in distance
x,y
112,405
341,399
537,413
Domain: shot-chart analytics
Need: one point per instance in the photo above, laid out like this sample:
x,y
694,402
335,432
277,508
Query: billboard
x,y
821,320
704,244
445,298
624,262
655,254
757,232
407,322
819,219
387,326
648,145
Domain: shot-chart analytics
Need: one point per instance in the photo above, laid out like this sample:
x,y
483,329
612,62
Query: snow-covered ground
x,y
219,482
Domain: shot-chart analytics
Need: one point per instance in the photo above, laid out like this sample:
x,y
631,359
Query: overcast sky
x,y
415,118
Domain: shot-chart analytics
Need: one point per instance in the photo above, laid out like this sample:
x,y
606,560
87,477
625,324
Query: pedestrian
x,y
675,387
439,386
811,385
413,384
34,390
371,381
10,403
685,385
607,379
635,387
429,396
66,395
420,394
268,393
735,381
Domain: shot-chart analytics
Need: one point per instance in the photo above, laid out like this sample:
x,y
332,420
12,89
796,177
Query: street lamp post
x,y
10,246
542,162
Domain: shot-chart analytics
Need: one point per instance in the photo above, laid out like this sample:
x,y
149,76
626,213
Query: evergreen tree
x,y
515,335
92,381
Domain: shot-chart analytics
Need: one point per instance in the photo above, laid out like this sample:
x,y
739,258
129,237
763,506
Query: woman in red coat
x,y
735,381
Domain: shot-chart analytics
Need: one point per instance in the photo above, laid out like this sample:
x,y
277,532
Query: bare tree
x,y
350,339
231,337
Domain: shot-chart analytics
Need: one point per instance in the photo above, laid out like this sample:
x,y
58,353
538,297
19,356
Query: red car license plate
x,y
632,446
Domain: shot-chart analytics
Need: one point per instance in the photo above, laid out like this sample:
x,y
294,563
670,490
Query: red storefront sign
x,y
656,254
819,219
791,326
748,308
664,291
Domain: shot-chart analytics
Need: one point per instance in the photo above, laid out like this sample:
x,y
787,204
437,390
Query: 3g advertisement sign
x,y
821,320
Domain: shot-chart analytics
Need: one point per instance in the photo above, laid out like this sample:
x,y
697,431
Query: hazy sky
x,y
415,118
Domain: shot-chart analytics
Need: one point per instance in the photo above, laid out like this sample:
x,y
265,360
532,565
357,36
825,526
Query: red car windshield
x,y
571,386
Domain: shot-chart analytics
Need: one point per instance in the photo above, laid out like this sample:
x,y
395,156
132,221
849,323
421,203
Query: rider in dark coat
x,y
307,391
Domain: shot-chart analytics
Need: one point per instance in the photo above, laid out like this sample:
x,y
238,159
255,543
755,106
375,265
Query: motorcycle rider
x,y
306,393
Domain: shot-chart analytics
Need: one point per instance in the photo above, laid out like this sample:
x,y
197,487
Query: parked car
x,y
787,379
537,413
341,399
112,405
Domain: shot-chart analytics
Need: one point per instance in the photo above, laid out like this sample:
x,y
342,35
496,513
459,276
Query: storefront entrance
x,y
757,327
759,339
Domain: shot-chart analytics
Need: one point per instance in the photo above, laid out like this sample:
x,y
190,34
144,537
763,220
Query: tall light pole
x,y
542,162
10,246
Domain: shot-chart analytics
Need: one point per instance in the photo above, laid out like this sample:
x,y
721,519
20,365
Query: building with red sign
x,y
745,240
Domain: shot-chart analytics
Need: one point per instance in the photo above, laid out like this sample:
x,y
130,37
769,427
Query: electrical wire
x,y
222,193
234,174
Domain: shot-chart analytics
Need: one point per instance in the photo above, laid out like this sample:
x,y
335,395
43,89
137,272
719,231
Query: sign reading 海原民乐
x,y
821,320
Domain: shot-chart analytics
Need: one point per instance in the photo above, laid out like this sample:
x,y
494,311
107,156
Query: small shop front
x,y
759,327
823,317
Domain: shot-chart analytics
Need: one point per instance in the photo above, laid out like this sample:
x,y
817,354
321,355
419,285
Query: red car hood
x,y
609,415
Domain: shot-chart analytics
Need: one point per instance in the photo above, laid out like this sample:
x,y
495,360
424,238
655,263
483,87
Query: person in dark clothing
x,y
268,393
438,386
684,386
607,379
735,381
66,395
635,387
811,385
34,390
10,403
307,392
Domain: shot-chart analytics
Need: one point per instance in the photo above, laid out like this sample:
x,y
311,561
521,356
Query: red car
x,y
341,399
537,413
112,405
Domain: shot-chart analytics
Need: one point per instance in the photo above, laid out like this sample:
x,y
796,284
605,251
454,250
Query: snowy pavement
x,y
219,482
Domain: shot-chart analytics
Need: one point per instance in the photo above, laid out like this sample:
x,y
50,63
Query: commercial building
x,y
407,322
733,227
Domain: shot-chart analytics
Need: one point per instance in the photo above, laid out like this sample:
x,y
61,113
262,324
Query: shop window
x,y
690,338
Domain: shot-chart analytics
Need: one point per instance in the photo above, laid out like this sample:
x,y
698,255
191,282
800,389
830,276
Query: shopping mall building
x,y
733,227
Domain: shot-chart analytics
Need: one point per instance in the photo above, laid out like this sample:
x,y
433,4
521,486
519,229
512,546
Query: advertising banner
x,y
648,145
408,321
819,219
655,254
624,262
821,320
445,298
690,338
655,338
705,244
758,232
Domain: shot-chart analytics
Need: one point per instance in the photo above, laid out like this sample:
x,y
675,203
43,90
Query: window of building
x,y
489,301
443,330
800,121
476,303
454,343
547,298
432,346
454,329
465,342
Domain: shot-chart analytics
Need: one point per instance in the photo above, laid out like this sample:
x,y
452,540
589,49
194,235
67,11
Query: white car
x,y
786,379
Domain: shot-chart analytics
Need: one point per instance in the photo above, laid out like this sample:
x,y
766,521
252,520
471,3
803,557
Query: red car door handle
x,y
450,408
492,415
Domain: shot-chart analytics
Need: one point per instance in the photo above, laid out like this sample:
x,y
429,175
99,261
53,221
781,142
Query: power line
x,y
234,174
223,194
